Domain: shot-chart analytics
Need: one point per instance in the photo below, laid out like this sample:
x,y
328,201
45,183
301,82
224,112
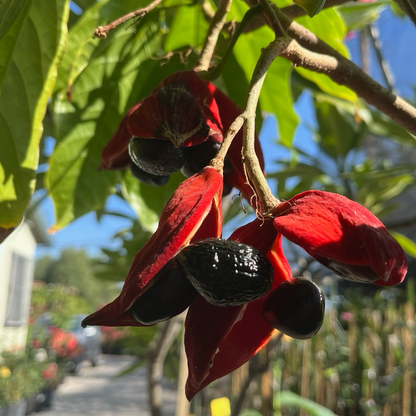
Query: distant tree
x,y
74,268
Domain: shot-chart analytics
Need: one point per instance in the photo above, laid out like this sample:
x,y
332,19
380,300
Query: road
x,y
96,391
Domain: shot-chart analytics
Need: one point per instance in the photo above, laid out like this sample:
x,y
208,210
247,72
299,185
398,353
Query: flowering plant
x,y
22,375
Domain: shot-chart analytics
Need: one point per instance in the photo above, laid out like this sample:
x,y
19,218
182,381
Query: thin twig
x,y
365,53
385,68
271,17
267,199
293,11
218,162
211,39
101,31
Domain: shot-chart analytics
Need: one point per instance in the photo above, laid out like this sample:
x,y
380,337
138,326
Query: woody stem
x,y
267,200
211,39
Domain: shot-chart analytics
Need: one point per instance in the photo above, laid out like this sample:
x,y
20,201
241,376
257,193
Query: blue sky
x,y
398,41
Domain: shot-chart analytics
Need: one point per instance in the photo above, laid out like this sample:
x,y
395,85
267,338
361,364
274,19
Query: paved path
x,y
97,392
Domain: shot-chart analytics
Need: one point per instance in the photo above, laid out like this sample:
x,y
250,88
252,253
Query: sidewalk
x,y
97,392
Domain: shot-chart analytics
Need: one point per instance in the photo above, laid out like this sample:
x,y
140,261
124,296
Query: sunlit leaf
x,y
32,52
330,28
188,27
148,201
407,244
80,47
312,7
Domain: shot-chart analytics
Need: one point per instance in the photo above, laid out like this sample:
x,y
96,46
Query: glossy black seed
x,y
169,296
296,308
148,178
158,157
226,273
198,156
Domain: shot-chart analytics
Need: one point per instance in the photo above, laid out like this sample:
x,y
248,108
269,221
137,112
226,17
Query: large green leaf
x,y
118,74
148,201
33,42
80,47
188,27
13,15
330,28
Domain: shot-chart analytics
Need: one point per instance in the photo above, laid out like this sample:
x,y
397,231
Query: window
x,y
19,291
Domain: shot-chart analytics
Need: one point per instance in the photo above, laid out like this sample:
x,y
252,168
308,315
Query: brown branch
x,y
309,52
293,11
271,18
101,31
211,38
157,350
267,199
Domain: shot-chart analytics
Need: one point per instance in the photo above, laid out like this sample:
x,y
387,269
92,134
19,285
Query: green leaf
x,y
407,244
288,398
358,15
12,19
148,201
188,27
312,7
80,47
33,43
338,130
330,28
300,169
276,96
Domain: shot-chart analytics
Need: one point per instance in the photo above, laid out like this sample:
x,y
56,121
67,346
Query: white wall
x,y
20,242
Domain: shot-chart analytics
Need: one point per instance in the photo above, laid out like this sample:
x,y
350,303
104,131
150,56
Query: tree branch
x,y
385,68
267,199
211,39
308,51
158,348
101,31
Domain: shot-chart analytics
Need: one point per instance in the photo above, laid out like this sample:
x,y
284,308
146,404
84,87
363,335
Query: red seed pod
x,y
193,211
343,236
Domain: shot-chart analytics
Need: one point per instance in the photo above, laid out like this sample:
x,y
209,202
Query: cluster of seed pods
x,y
239,290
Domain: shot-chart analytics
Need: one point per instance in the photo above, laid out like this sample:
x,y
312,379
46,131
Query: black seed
x,y
169,296
296,308
158,157
198,156
148,178
226,273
